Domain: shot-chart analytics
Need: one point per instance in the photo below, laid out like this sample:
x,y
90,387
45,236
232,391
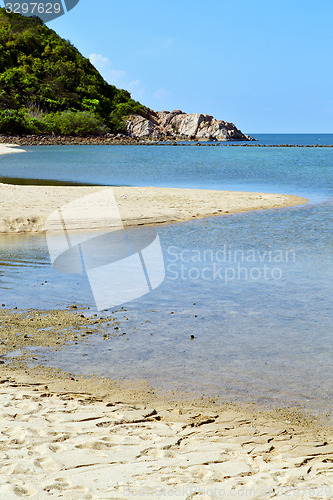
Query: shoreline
x,y
25,208
122,140
23,331
95,438
9,148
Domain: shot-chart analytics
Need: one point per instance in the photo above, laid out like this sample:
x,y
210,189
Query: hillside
x,y
42,76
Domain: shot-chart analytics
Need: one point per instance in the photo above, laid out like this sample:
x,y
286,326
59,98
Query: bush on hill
x,y
45,75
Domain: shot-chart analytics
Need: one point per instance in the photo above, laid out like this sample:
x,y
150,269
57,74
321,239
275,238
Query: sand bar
x,y
25,208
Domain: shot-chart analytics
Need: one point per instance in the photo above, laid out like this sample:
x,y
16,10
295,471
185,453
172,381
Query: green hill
x,y
47,86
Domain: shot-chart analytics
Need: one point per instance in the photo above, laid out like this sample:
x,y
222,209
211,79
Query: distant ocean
x,y
259,337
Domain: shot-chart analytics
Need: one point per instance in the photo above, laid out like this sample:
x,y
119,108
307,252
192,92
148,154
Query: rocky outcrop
x,y
178,125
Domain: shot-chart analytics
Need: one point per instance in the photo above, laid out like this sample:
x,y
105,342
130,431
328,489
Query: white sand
x,y
25,208
6,149
66,445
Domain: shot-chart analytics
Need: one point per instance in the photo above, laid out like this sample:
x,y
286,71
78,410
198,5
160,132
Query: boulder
x,y
138,126
182,126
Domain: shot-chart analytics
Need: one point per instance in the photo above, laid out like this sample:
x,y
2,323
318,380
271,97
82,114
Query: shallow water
x,y
254,289
301,171
262,315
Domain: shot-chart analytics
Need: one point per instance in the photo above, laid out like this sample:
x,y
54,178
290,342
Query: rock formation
x,y
178,125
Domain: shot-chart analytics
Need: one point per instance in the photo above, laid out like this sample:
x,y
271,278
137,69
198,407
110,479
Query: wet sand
x,y
92,438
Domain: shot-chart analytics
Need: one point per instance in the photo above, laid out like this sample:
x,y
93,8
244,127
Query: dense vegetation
x,y
47,86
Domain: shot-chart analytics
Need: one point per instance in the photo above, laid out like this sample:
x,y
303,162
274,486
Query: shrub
x,y
12,122
116,123
74,123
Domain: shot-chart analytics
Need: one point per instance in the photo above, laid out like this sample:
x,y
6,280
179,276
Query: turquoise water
x,y
254,289
303,171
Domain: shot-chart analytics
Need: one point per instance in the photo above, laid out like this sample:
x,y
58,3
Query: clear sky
x,y
265,65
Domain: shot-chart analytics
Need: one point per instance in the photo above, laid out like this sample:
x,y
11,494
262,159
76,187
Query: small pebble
x,y
192,337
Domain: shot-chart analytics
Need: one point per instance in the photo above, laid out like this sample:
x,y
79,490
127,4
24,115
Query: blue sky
x,y
264,65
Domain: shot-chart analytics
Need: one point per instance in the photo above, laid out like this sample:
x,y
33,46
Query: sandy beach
x,y
6,149
72,437
25,208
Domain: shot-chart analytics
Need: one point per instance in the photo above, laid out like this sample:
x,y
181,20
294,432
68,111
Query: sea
x,y
245,310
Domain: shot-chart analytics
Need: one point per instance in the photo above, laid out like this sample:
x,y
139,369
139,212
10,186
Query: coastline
x,y
124,140
25,209
90,437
